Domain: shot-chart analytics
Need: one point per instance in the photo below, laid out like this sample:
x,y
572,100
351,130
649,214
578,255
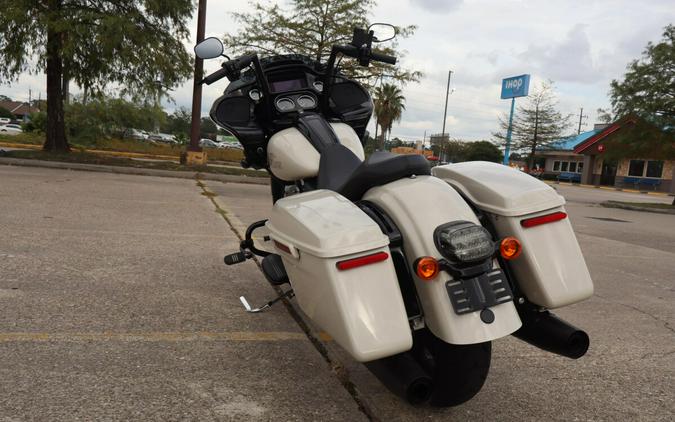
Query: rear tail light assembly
x,y
543,219
463,242
361,261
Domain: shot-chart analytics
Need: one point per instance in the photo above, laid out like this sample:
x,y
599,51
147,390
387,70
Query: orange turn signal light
x,y
510,248
426,268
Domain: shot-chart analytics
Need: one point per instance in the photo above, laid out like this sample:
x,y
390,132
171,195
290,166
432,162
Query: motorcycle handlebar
x,y
215,76
355,52
230,67
382,58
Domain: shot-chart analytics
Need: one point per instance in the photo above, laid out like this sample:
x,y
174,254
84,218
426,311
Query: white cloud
x,y
580,45
438,6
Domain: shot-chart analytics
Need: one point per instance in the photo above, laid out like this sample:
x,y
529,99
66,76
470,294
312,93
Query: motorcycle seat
x,y
341,171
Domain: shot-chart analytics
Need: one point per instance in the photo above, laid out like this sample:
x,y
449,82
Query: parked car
x,y
139,135
5,120
207,143
10,129
229,145
164,138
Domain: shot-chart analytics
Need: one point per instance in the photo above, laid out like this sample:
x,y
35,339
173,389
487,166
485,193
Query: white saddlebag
x,y
551,270
360,307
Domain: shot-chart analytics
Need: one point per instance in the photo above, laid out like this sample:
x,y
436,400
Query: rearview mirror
x,y
382,32
209,48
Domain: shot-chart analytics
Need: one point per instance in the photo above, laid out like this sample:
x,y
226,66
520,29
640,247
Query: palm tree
x,y
389,106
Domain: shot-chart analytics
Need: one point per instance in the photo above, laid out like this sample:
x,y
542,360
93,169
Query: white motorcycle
x,y
413,272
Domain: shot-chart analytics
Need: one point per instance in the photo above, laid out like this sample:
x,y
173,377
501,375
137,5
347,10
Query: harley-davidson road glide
x,y
413,271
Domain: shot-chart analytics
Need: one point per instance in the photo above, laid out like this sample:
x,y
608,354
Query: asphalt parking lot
x,y
116,306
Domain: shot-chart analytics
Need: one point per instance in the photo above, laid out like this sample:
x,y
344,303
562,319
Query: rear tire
x,y
458,371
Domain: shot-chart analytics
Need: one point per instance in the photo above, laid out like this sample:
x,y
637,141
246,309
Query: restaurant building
x,y
587,156
632,172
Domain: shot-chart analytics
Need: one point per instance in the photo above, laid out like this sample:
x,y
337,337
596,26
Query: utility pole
x,y
197,91
447,94
29,100
581,117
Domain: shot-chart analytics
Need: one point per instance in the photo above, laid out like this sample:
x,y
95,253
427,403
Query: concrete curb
x,y
134,170
612,204
610,188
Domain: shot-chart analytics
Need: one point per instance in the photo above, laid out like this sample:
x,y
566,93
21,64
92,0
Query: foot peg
x,y
235,258
288,293
274,270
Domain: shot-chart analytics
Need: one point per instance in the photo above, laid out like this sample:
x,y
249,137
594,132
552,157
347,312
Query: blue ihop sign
x,y
516,86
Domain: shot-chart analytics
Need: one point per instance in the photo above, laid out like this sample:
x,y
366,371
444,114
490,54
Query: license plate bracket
x,y
477,293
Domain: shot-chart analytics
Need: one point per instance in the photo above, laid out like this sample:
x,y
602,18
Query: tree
x,y
105,117
536,124
389,106
132,43
648,87
648,92
482,151
604,116
208,129
178,123
6,113
310,28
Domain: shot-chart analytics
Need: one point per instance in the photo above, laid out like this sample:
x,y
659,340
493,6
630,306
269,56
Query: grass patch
x,y
29,138
128,145
147,148
645,205
92,158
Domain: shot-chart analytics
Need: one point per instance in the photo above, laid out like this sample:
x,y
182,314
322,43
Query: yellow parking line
x,y
153,336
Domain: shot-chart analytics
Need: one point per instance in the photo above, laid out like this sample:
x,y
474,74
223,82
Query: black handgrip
x,y
378,57
242,62
215,76
348,50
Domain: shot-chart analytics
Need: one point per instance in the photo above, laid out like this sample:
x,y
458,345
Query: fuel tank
x,y
292,157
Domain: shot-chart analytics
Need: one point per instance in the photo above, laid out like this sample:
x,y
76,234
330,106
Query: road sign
x,y
515,86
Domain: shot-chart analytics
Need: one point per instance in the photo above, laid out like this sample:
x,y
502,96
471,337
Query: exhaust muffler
x,y
403,376
548,332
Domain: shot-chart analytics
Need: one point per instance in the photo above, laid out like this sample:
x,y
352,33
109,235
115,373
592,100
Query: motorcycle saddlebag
x,y
339,264
551,270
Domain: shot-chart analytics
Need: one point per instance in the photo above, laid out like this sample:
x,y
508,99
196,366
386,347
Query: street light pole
x,y
445,112
447,94
197,88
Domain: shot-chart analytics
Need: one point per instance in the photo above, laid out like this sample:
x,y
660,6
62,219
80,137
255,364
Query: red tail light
x,y
543,219
362,260
283,247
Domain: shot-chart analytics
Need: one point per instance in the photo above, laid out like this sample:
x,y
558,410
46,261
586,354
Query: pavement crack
x,y
337,369
666,324
657,355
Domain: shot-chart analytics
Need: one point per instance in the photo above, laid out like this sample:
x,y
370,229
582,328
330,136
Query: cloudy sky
x,y
581,45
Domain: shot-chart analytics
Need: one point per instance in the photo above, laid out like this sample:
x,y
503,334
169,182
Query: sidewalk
x,y
116,306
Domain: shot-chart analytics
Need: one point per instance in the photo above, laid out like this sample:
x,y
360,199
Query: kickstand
x,y
288,293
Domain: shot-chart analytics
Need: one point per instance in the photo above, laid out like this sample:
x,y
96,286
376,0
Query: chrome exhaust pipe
x,y
403,376
548,332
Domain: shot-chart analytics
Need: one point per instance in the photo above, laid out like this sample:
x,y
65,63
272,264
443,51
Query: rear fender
x,y
418,205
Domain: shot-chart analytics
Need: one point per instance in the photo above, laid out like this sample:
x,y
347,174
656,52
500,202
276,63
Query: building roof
x,y
568,144
603,133
17,108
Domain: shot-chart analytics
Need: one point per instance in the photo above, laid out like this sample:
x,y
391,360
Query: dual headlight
x,y
463,242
